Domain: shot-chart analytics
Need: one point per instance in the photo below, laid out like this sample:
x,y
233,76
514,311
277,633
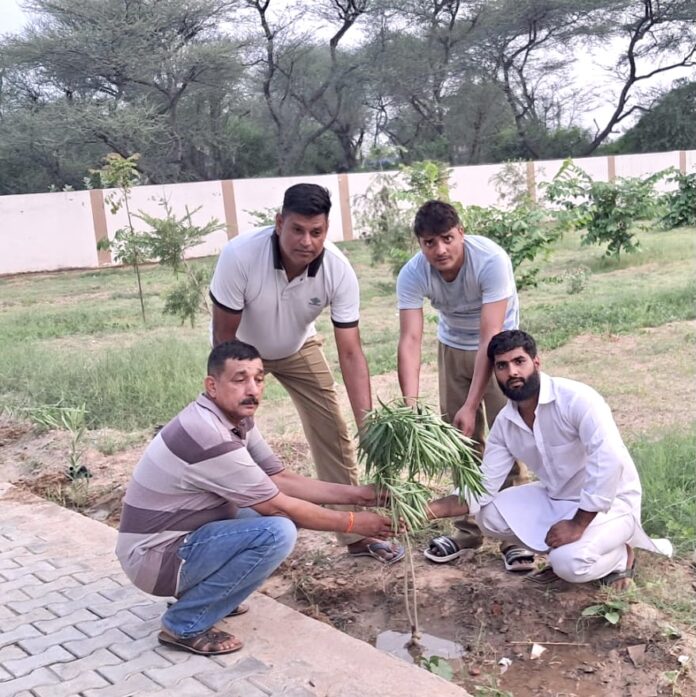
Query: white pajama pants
x,y
600,551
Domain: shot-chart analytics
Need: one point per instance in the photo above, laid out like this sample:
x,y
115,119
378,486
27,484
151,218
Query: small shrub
x,y
521,231
680,204
406,450
576,280
188,297
263,217
607,211
127,244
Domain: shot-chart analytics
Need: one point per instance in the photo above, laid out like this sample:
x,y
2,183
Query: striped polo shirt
x,y
198,469
278,315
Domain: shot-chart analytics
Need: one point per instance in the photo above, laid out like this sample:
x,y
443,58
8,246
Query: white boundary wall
x,y
47,232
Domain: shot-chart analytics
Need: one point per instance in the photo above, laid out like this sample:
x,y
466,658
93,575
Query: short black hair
x,y
435,218
508,340
236,350
306,199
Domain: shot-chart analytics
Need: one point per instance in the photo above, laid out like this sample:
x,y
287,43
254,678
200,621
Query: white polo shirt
x,y
277,315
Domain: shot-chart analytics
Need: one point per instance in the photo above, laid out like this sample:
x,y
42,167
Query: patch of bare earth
x,y
647,378
495,615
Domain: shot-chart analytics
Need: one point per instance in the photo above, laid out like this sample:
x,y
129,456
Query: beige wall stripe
x,y
344,201
230,206
96,200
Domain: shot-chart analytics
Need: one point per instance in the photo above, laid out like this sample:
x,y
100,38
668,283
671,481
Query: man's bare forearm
x,y
408,367
356,378
447,507
319,492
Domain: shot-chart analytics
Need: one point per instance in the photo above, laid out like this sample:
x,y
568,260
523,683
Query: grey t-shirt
x,y
485,277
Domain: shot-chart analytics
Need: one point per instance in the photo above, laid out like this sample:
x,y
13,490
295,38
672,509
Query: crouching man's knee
x,y
283,534
492,523
572,563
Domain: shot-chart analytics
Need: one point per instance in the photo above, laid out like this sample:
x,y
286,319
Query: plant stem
x,y
412,618
140,291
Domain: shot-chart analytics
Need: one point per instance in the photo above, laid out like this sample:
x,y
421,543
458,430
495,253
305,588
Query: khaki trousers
x,y
455,370
308,380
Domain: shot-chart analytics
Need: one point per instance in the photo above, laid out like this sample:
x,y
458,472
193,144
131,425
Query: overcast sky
x,y
12,18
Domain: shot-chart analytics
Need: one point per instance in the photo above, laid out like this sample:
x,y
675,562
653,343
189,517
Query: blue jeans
x,y
223,563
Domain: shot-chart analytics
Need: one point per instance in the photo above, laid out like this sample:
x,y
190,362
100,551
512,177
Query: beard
x,y
527,389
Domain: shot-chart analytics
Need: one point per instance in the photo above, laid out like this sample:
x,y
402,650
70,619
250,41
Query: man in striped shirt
x,y
211,512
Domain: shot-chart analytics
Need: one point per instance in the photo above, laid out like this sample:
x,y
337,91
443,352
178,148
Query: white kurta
x,y
577,454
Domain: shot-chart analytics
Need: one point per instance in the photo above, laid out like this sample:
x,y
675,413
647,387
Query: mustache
x,y
250,400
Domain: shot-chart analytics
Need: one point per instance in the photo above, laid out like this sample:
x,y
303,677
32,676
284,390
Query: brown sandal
x,y
208,643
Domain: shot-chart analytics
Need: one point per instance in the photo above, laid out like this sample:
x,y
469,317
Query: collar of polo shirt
x,y
278,264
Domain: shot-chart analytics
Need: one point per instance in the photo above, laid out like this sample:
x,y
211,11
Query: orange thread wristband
x,y
351,521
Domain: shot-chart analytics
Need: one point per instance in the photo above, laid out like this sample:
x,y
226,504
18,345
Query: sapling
x,y
127,244
406,450
168,240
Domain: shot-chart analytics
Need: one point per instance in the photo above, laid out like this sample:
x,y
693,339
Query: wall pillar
x,y
531,181
682,161
611,168
96,200
344,202
230,206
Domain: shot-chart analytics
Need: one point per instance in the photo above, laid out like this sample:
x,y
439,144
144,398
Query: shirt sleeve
x,y
497,279
496,465
262,454
227,288
410,287
604,448
345,303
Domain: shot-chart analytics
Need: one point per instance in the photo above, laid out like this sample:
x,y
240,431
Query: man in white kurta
x,y
584,508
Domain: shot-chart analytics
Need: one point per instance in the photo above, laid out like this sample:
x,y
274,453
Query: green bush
x,y
608,211
680,204
521,231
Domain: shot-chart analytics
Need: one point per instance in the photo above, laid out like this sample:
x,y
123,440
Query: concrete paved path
x,y
71,624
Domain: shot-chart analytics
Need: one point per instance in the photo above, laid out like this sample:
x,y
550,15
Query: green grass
x,y
126,388
555,323
667,470
78,336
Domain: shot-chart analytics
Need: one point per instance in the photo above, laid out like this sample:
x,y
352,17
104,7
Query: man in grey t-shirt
x,y
469,280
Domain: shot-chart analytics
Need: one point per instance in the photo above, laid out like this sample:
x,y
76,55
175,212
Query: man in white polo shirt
x,y
268,288
469,280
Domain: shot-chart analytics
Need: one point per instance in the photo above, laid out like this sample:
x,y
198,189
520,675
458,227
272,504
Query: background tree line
x,y
214,89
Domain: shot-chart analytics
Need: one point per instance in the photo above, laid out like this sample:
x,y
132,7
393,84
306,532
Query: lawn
x,y
77,338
